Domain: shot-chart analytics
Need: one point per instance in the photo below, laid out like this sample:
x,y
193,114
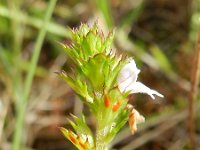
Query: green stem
x,y
17,32
101,144
104,7
28,82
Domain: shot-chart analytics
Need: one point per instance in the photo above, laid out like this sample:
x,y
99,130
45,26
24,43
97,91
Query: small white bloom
x,y
127,81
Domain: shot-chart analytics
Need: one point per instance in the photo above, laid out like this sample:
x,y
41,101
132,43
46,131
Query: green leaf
x,y
106,46
161,59
115,65
77,85
94,70
78,141
81,128
119,122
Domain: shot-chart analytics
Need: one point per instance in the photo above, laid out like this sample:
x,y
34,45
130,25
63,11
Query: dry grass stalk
x,y
194,90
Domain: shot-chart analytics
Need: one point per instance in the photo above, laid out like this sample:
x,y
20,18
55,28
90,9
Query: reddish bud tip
x,y
73,140
107,101
116,106
82,145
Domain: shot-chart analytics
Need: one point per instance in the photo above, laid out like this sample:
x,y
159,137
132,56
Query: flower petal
x,y
127,75
138,87
134,119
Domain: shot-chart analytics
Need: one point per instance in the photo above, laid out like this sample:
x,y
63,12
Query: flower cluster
x,y
103,80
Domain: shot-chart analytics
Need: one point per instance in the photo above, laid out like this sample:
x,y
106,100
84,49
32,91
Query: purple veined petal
x,y
138,87
127,75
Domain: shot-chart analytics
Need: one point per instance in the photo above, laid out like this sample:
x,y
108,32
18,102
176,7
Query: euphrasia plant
x,y
103,80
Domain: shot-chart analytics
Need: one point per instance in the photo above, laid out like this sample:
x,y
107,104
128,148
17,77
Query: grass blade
x,y
28,82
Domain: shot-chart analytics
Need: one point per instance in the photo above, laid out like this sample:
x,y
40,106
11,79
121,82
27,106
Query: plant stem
x,y
28,82
104,7
18,32
100,144
194,91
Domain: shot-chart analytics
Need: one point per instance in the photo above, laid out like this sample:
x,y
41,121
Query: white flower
x,y
127,81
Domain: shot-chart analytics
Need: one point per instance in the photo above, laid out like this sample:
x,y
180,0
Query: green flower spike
x,y
103,80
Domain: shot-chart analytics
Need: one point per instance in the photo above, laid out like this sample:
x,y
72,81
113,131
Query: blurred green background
x,y
159,34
